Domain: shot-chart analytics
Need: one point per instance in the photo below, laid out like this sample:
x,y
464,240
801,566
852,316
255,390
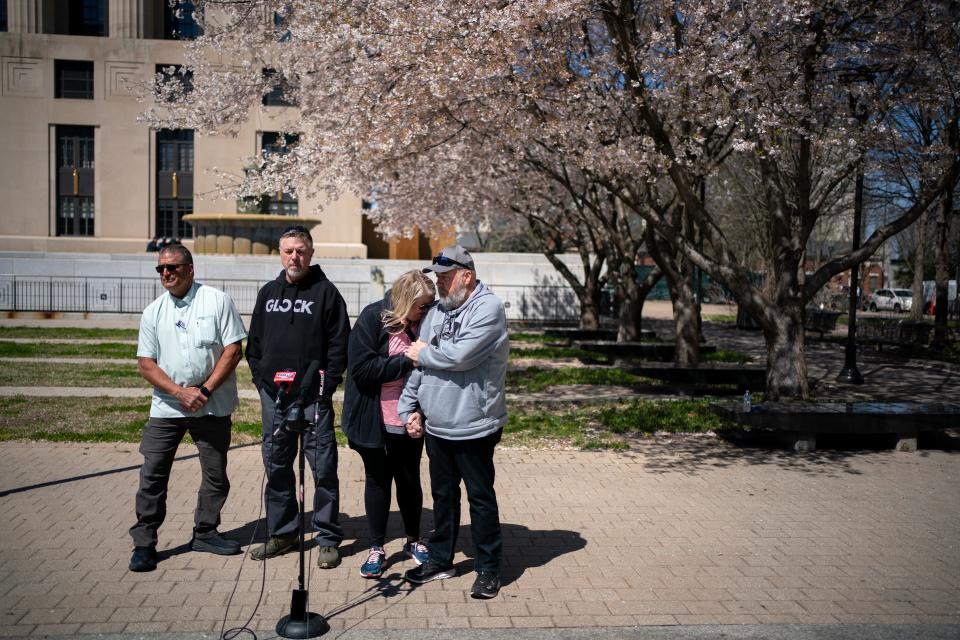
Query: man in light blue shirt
x,y
188,348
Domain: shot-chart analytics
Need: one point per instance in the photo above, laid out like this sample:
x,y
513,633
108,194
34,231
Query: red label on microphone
x,y
281,377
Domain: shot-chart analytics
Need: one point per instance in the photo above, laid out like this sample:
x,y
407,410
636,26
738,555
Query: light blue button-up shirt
x,y
186,336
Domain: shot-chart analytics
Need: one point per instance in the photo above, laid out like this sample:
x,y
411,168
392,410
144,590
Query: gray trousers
x,y
161,437
279,458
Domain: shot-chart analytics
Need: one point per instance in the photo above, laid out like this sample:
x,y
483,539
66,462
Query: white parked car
x,y
890,300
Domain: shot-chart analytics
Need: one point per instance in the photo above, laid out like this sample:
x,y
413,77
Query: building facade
x,y
79,173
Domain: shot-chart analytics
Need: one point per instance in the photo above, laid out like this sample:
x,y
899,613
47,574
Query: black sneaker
x,y
216,544
429,571
143,559
486,585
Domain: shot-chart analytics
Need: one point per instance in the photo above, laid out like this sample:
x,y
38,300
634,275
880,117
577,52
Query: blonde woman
x,y
376,372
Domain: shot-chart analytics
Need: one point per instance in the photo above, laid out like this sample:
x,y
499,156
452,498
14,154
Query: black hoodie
x,y
295,323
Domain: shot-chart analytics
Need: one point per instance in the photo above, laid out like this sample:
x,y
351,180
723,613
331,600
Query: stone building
x,y
80,174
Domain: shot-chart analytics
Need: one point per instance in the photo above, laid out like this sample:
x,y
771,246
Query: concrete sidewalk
x,y
690,532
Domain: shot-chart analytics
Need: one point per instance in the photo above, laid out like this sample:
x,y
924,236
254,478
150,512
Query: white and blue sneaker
x,y
373,567
417,551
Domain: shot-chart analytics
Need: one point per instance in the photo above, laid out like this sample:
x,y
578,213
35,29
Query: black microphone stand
x,y
301,623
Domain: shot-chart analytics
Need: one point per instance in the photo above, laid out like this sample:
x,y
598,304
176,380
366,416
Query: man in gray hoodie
x,y
459,389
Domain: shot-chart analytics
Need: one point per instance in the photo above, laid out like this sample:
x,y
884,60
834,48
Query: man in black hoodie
x,y
299,318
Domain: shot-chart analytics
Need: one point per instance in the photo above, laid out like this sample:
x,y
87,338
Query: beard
x,y
294,273
454,299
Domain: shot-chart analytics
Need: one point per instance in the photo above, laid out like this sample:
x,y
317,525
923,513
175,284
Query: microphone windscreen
x,y
306,387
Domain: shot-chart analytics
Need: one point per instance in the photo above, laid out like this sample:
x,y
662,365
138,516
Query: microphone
x,y
308,380
294,418
283,380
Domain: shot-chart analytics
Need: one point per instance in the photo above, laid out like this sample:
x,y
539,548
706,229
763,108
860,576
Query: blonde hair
x,y
406,289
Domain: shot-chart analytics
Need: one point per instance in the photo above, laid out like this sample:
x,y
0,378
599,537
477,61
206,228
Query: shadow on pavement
x,y
524,548
100,474
833,457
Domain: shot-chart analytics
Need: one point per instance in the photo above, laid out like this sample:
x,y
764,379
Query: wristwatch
x,y
206,392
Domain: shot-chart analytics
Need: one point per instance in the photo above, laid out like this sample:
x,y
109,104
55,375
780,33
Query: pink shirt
x,y
390,391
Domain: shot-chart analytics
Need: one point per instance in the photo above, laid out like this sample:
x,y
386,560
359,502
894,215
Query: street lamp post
x,y
850,374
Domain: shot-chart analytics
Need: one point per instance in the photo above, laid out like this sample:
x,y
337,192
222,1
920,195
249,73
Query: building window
x,y
75,180
279,18
73,79
168,75
180,21
80,17
280,94
280,203
3,15
174,183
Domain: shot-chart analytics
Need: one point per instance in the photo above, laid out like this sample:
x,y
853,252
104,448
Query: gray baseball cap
x,y
451,258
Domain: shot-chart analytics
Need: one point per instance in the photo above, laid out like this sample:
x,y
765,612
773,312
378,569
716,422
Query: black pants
x,y
471,461
161,437
398,461
280,453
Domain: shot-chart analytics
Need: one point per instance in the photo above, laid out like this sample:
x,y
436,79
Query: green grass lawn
x,y
67,333
592,427
647,416
527,337
88,375
553,352
105,420
726,355
608,427
534,379
122,419
60,350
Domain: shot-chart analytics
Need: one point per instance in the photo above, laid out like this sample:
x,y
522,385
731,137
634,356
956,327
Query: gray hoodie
x,y
460,385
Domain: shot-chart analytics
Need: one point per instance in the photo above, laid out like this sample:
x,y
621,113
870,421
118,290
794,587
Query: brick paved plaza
x,y
684,533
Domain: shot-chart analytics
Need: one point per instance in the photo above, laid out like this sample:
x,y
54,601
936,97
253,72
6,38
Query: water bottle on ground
x,y
747,402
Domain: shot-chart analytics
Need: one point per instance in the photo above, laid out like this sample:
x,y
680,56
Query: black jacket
x,y
293,324
370,367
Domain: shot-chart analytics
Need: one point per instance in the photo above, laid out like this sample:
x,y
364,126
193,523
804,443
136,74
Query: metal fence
x,y
66,294
58,294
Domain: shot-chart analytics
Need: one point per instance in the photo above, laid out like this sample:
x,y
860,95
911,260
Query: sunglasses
x,y
444,261
169,267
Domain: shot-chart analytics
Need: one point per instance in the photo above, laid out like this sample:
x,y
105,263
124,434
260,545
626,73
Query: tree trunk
x,y
588,291
943,272
940,333
686,326
786,363
631,305
589,313
916,311
678,272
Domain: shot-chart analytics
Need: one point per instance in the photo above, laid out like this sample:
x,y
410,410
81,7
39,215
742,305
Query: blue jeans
x,y
472,462
280,455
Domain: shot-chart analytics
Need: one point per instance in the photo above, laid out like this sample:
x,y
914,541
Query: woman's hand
x,y
415,425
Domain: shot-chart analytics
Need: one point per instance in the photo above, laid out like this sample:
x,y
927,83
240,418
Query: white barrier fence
x,y
77,294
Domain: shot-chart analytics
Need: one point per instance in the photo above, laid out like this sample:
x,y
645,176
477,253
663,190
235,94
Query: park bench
x,y
611,350
823,321
898,333
801,422
746,377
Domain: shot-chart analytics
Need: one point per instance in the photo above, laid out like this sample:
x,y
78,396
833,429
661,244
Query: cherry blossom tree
x,y
439,109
